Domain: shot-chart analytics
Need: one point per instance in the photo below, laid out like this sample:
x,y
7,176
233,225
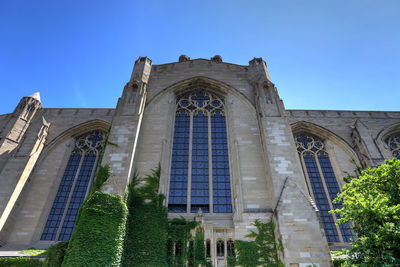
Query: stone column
x,y
125,128
298,224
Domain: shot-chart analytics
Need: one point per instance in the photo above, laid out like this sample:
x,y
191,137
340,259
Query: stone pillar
x,y
125,128
16,172
298,225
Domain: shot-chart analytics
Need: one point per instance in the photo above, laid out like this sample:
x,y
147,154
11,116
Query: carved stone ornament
x,y
93,141
216,58
306,142
184,58
393,143
256,60
200,101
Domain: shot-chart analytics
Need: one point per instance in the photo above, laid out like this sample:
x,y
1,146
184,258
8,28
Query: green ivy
x,y
231,261
179,231
199,249
146,239
102,174
247,253
55,255
20,262
98,236
263,251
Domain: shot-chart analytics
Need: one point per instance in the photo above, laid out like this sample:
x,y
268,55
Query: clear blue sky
x,y
321,54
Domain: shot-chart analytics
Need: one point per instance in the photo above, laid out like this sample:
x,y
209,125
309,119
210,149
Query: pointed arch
x,y
96,124
325,134
210,84
383,136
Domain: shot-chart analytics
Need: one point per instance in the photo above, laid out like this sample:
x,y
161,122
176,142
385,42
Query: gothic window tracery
x,y
74,186
393,143
200,176
321,184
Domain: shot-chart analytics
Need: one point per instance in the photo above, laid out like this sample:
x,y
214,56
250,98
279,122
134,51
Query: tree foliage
x,y
372,202
199,249
263,251
55,254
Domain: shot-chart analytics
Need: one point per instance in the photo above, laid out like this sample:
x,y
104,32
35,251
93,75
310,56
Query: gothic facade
x,y
229,152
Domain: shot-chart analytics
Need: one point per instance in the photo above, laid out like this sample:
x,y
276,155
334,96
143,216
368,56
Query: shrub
x,y
55,255
20,262
98,236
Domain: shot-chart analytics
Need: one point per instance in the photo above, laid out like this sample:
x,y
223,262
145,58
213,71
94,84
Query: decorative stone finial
x,y
216,58
143,59
256,60
35,96
184,58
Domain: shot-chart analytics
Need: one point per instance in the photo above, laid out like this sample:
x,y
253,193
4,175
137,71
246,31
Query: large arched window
x,y
200,165
74,186
321,184
393,142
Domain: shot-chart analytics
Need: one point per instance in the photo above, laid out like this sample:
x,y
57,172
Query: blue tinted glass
x,y
220,166
317,187
68,200
78,196
179,165
57,210
333,190
200,165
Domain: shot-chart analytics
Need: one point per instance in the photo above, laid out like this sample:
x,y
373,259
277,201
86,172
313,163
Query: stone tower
x,y
19,149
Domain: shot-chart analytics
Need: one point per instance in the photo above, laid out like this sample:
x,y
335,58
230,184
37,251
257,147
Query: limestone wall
x,y
32,208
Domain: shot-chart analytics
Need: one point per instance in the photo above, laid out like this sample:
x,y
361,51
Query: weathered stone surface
x,y
267,180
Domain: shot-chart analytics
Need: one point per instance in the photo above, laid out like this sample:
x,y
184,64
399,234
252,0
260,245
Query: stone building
x,y
229,152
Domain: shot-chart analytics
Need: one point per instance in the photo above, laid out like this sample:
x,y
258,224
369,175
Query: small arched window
x,y
74,186
393,142
230,246
220,248
321,184
208,248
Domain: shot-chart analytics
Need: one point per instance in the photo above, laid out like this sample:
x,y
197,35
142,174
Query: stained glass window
x,y
322,185
74,186
393,143
200,162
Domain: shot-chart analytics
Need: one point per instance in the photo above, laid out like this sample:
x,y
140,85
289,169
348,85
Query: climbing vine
x,y
199,249
179,234
262,251
146,239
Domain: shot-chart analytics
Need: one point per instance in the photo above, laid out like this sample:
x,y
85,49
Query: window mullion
x,y
92,174
308,182
70,196
210,172
189,185
327,196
